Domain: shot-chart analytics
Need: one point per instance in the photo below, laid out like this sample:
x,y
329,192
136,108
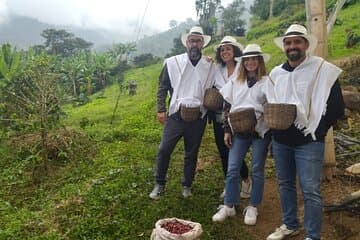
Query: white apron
x,y
188,82
239,95
308,87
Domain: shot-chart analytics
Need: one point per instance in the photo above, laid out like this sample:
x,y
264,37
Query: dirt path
x,y
336,225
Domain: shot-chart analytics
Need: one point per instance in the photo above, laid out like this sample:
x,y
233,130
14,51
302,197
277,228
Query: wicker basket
x,y
213,100
243,121
189,114
279,116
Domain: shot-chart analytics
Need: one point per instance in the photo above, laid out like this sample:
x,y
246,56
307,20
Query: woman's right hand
x,y
227,139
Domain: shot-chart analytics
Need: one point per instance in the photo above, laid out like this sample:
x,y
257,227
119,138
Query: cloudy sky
x,y
110,14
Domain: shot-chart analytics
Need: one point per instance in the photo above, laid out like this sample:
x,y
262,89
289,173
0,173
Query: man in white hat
x,y
184,77
311,84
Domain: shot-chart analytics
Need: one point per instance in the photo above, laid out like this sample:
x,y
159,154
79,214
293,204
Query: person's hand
x,y
227,140
161,117
209,59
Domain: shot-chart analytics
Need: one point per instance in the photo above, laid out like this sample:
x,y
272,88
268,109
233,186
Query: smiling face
x,y
227,53
295,49
251,64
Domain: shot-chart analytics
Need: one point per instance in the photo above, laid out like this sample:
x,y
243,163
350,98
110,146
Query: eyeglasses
x,y
195,41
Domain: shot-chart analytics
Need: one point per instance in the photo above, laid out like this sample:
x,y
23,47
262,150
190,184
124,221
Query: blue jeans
x,y
305,161
224,150
240,146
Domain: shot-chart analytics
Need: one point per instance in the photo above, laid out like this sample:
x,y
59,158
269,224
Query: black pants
x,y
174,130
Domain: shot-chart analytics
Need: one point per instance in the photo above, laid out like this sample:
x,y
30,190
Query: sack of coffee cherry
x,y
176,229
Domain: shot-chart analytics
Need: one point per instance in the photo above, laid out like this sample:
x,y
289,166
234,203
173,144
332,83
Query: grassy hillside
x,y
105,195
263,34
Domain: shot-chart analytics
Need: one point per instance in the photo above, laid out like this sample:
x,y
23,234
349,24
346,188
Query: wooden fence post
x,y
316,18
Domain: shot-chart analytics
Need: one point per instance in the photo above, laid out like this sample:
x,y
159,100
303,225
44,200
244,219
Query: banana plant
x,y
9,63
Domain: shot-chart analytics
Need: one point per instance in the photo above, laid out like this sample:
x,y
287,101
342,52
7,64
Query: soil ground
x,y
339,225
336,225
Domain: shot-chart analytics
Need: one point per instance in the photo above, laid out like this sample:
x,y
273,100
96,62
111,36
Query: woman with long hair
x,y
226,70
246,91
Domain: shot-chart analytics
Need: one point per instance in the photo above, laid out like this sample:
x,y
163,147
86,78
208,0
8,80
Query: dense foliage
x,y
232,17
100,155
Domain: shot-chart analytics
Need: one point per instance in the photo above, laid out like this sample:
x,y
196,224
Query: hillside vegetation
x,y
102,193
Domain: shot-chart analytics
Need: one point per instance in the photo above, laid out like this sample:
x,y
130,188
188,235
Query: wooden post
x,y
316,18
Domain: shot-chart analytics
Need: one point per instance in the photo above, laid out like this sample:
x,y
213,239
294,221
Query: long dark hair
x,y
237,53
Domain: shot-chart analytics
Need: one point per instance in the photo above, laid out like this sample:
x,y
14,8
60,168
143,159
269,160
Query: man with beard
x,y
184,77
311,84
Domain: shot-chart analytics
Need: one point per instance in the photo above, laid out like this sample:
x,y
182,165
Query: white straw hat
x,y
253,50
297,30
198,31
229,40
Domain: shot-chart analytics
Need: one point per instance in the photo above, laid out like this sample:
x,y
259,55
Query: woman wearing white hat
x,y
246,92
226,70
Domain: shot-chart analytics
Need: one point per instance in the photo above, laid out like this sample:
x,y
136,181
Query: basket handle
x,y
273,83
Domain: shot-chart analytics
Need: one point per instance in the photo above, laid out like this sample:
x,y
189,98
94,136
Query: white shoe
x,y
155,193
282,232
246,187
224,212
250,213
186,192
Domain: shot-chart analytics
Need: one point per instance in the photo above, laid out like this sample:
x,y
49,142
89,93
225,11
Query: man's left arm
x,y
335,105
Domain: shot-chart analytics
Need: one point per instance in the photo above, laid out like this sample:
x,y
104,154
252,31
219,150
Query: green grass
x,y
106,197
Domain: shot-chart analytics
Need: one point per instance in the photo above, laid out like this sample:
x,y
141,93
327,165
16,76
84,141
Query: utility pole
x,y
316,19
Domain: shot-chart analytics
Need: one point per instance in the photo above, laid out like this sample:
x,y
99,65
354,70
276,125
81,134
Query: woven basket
x,y
243,121
189,114
279,116
213,100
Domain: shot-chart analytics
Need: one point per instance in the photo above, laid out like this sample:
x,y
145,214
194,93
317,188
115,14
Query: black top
x,y
334,111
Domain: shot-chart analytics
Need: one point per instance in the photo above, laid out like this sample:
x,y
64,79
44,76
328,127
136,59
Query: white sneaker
x,y
282,232
246,187
250,213
155,193
186,192
222,195
224,212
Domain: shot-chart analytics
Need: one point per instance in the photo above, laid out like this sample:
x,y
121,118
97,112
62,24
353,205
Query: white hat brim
x,y
265,56
279,41
185,36
238,45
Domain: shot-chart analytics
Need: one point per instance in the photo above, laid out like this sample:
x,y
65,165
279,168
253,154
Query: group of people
x,y
308,82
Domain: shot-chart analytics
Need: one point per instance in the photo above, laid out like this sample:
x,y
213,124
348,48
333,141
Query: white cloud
x,y
111,14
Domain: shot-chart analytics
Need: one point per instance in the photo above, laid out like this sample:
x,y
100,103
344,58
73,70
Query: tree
x,y
61,42
269,8
9,63
145,59
173,24
121,52
261,9
177,48
233,24
205,9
